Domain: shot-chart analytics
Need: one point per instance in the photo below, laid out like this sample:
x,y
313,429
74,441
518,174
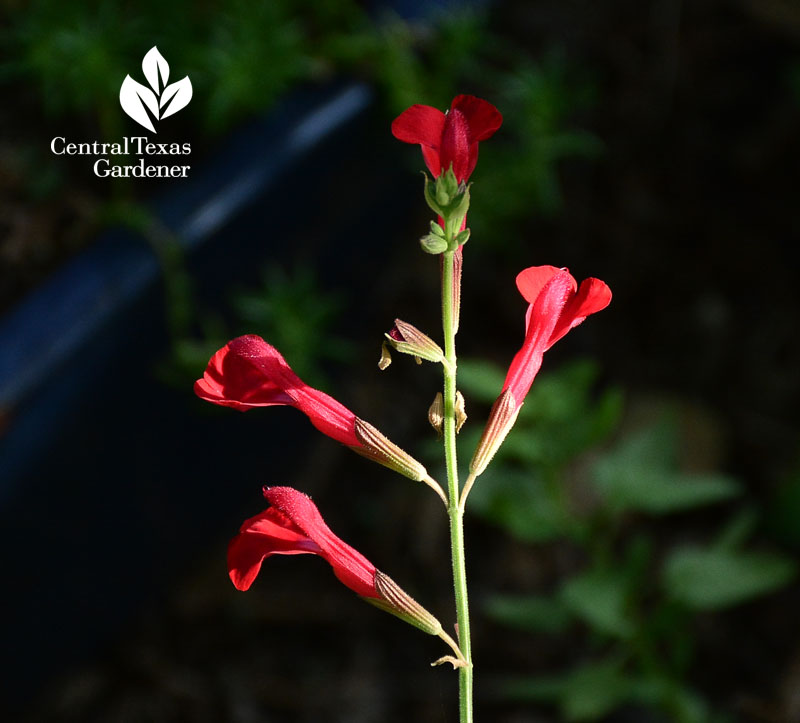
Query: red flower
x,y
557,305
452,137
247,372
294,526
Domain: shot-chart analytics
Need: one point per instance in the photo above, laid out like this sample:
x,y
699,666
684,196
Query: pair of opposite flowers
x,y
248,372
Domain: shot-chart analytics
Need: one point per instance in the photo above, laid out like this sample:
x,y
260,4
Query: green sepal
x,y
432,244
436,229
430,196
447,187
462,237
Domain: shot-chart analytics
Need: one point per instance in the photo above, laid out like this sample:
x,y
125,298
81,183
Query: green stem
x,y
455,511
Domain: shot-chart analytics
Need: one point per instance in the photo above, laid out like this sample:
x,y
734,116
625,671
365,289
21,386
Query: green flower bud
x,y
432,244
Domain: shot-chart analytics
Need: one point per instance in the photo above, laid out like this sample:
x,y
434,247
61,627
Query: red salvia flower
x,y
557,304
294,526
247,372
449,138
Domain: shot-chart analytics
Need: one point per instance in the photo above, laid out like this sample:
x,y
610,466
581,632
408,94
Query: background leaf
x,y
480,379
599,598
593,691
711,579
534,613
640,474
519,502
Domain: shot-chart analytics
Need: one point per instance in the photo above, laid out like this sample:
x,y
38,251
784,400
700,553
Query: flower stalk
x,y
248,372
455,511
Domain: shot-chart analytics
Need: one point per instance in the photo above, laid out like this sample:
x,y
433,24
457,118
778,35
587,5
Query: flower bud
x,y
409,340
449,199
379,449
447,187
436,413
501,420
432,244
393,599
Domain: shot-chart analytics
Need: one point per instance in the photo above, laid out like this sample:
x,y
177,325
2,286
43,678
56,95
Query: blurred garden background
x,y
632,554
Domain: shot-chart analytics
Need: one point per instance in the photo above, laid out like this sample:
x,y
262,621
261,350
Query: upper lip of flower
x,y
294,526
450,138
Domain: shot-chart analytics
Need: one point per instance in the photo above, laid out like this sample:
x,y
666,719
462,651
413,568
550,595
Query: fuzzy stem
x,y
455,511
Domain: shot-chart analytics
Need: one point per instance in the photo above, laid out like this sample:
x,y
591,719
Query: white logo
x,y
162,101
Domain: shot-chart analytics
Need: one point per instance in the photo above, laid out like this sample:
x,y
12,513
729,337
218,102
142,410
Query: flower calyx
x,y
393,599
501,419
407,339
436,413
377,447
460,411
453,660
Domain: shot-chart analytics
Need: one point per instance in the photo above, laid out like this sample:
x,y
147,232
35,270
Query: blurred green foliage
x,y
243,55
289,309
240,55
560,479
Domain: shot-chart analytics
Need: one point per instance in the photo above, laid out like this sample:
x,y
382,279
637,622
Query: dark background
x,y
658,150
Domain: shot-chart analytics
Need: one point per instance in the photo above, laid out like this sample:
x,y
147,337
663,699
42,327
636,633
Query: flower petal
x,y
329,416
481,116
231,381
432,160
456,145
268,533
532,280
349,565
543,315
593,296
247,372
421,124
450,139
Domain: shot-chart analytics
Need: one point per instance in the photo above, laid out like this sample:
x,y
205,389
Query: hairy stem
x,y
455,511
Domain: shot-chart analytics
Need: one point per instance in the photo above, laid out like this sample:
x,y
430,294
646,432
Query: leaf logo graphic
x,y
161,100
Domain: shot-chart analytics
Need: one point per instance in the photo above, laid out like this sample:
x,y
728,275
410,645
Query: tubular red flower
x,y
557,304
452,137
294,526
247,372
